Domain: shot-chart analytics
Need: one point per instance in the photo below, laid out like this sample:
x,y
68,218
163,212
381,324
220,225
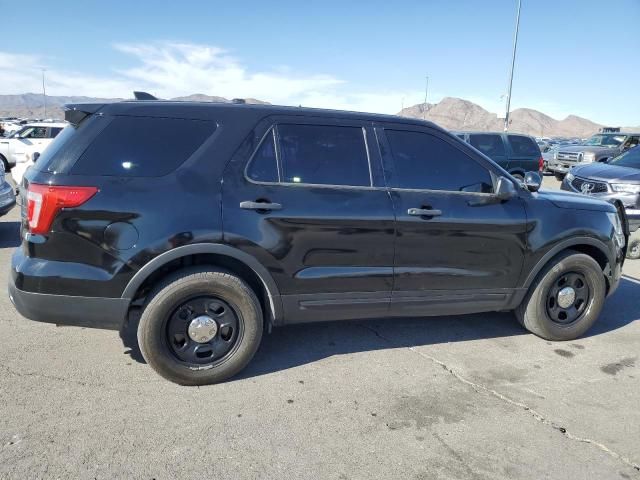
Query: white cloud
x,y
169,69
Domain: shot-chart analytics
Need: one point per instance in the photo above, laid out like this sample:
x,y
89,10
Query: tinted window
x,y
321,154
490,145
424,161
142,146
523,146
263,166
55,131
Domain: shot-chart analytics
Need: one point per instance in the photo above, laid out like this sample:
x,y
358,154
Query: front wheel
x,y
200,327
565,299
633,251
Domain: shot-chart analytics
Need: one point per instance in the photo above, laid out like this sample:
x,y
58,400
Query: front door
x,y
311,206
457,248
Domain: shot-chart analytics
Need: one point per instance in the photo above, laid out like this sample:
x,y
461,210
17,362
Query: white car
x,y
33,137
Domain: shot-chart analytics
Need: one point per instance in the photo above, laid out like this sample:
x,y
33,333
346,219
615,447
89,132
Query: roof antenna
x,y
143,96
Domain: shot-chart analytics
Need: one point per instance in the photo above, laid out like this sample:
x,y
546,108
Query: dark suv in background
x,y
216,222
517,154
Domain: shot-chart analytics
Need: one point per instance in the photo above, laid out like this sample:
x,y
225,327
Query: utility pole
x,y
426,93
44,95
513,62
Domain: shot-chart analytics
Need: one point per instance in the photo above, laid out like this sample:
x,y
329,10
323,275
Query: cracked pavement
x,y
472,397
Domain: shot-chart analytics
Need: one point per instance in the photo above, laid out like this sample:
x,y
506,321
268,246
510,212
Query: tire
x,y
518,176
535,312
633,250
559,176
7,167
162,311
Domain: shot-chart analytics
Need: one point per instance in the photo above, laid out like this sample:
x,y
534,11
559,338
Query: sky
x,y
578,57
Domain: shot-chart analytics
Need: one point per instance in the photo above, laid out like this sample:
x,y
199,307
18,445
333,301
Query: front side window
x,y
426,162
34,132
323,154
523,146
489,144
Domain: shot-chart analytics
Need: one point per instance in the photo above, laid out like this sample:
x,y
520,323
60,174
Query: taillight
x,y
45,201
541,164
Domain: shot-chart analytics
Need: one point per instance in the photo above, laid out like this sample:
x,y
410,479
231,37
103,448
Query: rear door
x,y
457,249
310,204
492,145
525,154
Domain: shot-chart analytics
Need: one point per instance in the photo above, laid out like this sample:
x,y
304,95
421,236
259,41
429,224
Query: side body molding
x,y
270,286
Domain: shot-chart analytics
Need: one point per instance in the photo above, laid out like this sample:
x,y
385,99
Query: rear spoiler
x,y
76,113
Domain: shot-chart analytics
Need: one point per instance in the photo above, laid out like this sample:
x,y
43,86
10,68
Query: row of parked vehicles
x,y
213,223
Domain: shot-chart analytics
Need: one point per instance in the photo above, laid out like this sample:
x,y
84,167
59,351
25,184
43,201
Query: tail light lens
x,y
45,201
541,164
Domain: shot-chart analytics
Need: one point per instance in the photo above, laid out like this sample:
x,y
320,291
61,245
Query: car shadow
x,y
9,234
297,345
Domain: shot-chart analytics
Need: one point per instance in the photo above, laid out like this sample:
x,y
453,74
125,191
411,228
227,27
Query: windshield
x,y
605,140
630,158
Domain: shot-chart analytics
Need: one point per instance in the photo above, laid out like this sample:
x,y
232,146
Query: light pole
x,y
44,95
426,93
513,62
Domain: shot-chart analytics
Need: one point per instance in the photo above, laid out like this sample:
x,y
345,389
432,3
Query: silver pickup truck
x,y
599,148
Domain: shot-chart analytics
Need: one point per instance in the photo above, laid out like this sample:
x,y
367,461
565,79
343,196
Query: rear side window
x,y
523,146
142,146
319,154
264,166
55,131
427,162
490,145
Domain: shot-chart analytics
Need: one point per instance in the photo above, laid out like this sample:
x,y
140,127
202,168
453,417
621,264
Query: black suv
x,y
516,153
214,222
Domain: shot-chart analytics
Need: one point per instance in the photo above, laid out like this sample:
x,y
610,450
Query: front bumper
x,y
630,202
93,312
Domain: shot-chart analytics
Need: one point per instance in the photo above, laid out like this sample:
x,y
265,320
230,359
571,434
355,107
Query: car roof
x,y
208,109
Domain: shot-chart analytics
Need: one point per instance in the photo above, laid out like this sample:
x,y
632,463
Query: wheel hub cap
x,y
202,329
566,297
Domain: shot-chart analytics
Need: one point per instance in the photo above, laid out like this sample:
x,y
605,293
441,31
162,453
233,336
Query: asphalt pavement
x,y
464,397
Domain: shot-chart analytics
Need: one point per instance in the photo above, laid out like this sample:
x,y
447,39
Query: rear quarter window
x,y
142,146
523,146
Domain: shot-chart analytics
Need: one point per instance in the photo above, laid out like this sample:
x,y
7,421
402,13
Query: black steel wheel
x,y
200,326
568,298
203,330
565,299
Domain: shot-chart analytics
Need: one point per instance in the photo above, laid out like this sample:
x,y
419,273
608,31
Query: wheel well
x,y
223,262
597,254
7,167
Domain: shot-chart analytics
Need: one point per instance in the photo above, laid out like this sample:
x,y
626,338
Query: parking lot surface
x,y
472,397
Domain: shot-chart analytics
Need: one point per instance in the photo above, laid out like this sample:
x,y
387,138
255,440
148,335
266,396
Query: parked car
x,y
617,180
599,148
33,136
7,196
216,222
517,154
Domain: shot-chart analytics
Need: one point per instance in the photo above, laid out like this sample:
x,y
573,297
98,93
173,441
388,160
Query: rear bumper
x,y
92,312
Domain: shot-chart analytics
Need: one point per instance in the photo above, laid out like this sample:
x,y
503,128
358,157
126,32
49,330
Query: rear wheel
x,y
559,176
565,299
200,327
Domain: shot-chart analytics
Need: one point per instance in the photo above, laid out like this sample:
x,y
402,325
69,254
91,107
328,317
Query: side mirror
x,y
505,189
35,157
533,181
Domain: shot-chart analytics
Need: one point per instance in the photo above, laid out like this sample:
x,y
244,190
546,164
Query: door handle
x,y
424,212
248,205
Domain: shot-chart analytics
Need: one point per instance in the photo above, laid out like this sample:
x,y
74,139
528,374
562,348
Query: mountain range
x,y
451,113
